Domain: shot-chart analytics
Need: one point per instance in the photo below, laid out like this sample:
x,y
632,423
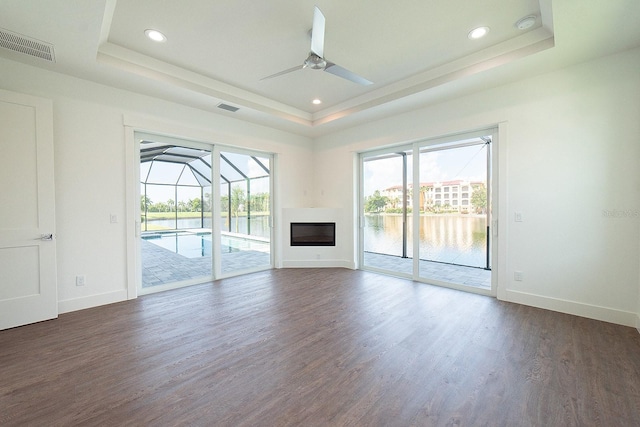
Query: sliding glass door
x,y
386,210
454,217
428,216
175,211
245,211
205,212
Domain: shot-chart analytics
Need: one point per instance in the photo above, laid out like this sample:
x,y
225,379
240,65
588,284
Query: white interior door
x,y
28,290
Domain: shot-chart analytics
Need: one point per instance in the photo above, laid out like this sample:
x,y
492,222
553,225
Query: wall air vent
x,y
26,45
228,107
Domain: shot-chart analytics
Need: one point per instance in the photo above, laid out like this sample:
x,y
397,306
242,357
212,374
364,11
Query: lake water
x,y
456,239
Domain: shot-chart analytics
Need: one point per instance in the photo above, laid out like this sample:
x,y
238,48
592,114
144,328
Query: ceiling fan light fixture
x,y
315,62
478,33
155,35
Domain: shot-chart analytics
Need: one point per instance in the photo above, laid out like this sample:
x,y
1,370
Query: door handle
x,y
47,237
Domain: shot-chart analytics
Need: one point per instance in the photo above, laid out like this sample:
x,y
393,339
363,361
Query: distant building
x,y
456,195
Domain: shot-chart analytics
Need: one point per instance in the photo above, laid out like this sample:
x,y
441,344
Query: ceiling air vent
x,y
228,107
28,46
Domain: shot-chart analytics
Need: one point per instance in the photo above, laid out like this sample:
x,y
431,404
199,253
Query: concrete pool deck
x,y
161,266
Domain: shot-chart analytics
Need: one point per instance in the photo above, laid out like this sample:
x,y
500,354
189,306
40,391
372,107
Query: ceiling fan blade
x,y
317,33
289,70
339,71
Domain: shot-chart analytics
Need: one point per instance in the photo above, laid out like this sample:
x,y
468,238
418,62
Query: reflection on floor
x,y
460,275
161,266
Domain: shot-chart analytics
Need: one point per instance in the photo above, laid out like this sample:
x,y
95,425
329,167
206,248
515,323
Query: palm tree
x,y
237,202
145,202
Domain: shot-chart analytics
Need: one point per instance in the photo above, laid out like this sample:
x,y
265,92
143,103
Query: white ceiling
x,y
415,51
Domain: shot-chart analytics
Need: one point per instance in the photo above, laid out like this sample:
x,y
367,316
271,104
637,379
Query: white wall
x,y
572,154
90,169
317,256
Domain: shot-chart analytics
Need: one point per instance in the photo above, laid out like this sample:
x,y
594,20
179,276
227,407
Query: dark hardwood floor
x,y
319,347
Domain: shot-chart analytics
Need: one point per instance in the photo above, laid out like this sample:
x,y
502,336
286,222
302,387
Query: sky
x,y
464,163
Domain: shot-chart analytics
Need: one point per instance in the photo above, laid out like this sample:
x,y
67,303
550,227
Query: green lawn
x,y
172,215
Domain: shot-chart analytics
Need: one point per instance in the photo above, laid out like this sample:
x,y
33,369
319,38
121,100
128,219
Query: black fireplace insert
x,y
313,234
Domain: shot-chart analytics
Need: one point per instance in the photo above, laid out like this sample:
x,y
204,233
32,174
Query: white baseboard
x,y
611,315
638,323
319,263
75,304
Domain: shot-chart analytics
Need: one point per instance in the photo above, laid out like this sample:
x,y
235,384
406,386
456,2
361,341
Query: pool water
x,y
190,245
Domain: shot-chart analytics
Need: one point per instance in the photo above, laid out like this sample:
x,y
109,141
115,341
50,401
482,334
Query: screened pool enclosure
x,y
181,241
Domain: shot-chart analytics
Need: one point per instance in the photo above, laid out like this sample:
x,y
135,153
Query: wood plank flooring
x,y
319,347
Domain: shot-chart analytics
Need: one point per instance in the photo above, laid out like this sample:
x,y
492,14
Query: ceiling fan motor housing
x,y
315,62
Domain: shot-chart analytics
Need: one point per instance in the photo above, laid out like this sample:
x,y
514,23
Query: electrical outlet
x,y
113,218
517,216
517,275
80,280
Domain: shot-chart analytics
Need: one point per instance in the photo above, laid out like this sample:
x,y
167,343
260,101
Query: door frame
x,y
182,142
134,124
496,191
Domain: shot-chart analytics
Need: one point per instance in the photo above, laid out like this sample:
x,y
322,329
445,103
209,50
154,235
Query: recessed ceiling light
x,y
316,101
477,33
155,35
526,22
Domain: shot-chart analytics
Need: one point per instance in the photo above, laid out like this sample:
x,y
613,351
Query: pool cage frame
x,y
194,161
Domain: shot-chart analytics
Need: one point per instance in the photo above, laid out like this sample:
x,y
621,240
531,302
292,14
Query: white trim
x,y
276,213
132,225
456,286
322,263
606,314
174,285
75,304
216,230
415,213
500,255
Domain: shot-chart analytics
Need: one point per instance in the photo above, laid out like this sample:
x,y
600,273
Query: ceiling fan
x,y
316,60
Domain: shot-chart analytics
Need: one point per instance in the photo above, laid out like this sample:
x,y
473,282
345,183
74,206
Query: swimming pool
x,y
187,244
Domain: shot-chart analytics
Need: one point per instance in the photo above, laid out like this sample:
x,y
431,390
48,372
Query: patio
x,y
458,274
161,266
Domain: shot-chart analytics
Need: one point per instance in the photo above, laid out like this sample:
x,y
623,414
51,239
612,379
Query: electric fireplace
x,y
313,234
